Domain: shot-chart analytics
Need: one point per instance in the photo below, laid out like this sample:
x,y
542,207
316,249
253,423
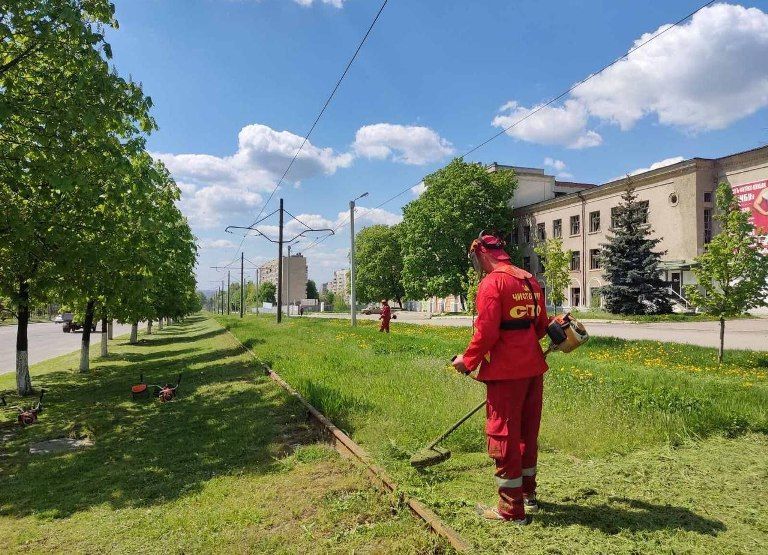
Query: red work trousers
x,y
513,416
384,325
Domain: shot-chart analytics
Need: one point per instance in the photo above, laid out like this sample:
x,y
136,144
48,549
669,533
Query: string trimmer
x,y
29,416
565,333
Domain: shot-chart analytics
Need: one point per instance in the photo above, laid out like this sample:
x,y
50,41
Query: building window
x,y
594,259
541,232
708,196
516,235
575,225
575,261
526,234
707,225
575,296
644,204
594,222
527,263
614,217
557,229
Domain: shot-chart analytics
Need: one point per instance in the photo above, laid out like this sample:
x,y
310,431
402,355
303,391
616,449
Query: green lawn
x,y
647,447
230,466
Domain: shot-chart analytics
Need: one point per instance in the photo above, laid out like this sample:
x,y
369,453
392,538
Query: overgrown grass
x,y
623,421
230,466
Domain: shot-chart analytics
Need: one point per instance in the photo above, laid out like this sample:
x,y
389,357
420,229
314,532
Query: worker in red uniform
x,y
386,316
511,319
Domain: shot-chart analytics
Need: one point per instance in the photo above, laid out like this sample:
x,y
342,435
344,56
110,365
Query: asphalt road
x,y
739,334
46,341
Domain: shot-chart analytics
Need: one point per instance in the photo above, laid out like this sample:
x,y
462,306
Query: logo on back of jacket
x,y
527,310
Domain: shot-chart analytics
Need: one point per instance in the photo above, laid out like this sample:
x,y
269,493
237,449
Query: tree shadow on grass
x,y
622,513
226,420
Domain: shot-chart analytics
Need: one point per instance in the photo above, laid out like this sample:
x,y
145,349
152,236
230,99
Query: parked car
x,y
375,308
68,323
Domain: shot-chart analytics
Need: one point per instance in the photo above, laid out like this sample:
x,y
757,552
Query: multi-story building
x,y
679,201
294,277
340,284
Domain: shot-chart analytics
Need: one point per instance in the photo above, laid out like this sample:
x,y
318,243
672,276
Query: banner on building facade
x,y
753,198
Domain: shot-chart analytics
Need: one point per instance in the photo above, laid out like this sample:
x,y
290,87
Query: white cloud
x,y
557,165
417,190
214,186
210,244
657,165
375,216
408,144
334,3
701,75
206,207
560,125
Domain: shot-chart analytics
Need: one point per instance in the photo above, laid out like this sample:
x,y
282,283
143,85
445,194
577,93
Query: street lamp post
x,y
352,298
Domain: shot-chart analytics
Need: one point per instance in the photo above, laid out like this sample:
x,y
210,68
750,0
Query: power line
x,y
319,115
531,113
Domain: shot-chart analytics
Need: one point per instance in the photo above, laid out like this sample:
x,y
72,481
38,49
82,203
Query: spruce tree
x,y
631,265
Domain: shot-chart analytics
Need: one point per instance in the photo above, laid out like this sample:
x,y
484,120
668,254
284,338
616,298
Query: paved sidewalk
x,y
749,334
46,341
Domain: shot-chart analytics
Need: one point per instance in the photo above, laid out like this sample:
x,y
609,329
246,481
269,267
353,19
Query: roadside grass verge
x,y
631,431
649,318
230,466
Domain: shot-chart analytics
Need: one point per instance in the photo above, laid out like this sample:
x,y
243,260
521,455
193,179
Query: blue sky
x,y
236,83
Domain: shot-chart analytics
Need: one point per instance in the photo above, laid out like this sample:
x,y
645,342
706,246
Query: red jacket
x,y
386,313
511,354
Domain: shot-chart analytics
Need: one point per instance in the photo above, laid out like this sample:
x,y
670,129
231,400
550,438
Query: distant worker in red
x,y
511,319
386,316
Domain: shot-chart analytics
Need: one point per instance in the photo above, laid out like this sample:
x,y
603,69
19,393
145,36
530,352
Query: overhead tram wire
x,y
319,115
529,114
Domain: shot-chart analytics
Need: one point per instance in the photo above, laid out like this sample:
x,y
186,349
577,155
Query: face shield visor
x,y
473,258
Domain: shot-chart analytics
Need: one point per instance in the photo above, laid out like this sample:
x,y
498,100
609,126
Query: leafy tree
x,y
459,201
267,292
733,271
312,290
65,116
631,265
557,268
379,260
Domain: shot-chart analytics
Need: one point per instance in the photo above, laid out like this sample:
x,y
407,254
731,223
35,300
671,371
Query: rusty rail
x,y
348,448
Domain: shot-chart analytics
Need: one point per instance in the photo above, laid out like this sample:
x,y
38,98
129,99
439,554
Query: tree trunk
x,y
23,381
399,302
104,343
134,333
149,326
160,324
85,344
463,306
722,341
110,329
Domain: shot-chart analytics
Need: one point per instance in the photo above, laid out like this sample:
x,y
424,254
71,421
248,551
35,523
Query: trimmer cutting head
x,y
429,457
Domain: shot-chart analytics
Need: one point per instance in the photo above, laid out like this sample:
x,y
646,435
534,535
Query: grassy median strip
x,y
230,466
646,445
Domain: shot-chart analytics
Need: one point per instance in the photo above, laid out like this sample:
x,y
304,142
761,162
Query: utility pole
x,y
229,291
280,268
280,241
288,301
221,301
258,298
242,290
352,299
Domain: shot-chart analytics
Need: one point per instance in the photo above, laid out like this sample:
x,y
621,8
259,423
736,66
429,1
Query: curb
x,y
349,449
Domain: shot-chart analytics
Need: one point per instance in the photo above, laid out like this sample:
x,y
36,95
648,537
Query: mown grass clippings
x,y
231,465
